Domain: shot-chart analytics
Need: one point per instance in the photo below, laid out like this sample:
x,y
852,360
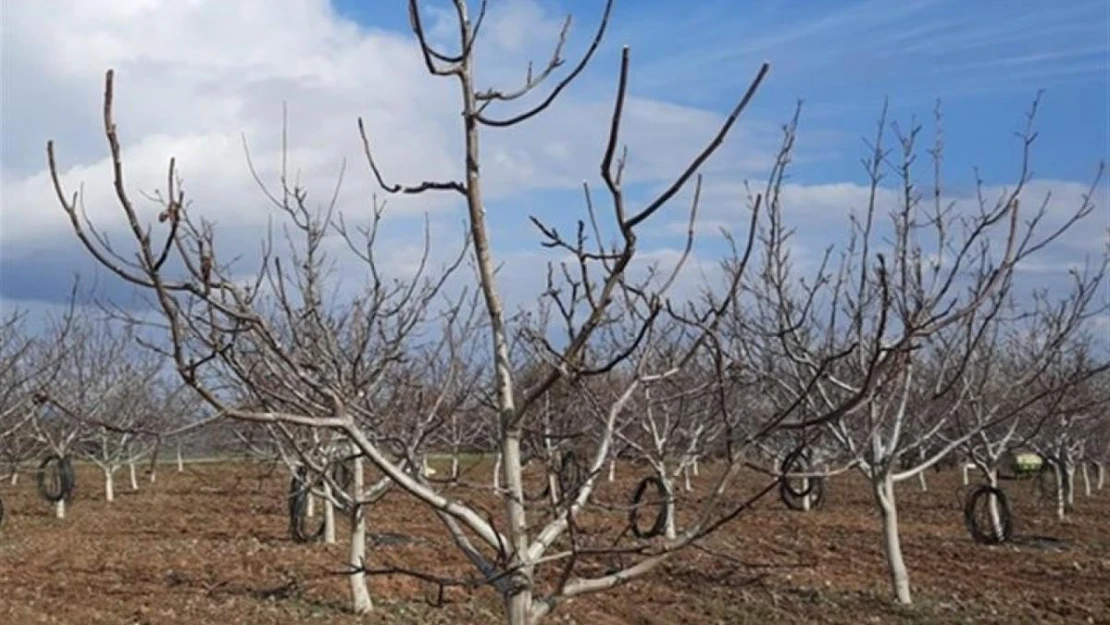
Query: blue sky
x,y
193,77
985,60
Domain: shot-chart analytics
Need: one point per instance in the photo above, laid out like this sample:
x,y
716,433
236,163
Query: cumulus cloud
x,y
194,78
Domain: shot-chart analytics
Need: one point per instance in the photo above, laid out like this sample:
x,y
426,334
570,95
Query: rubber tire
x,y
66,479
978,534
298,508
658,527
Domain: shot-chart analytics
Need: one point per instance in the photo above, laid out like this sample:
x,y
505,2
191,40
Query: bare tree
x,y
1070,420
104,393
17,377
1016,369
29,363
295,362
908,298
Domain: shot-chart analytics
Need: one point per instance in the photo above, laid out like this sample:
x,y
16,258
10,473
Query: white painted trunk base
x,y
360,594
497,474
892,542
109,486
329,517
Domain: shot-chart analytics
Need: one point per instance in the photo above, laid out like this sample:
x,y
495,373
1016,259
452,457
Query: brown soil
x,y
211,545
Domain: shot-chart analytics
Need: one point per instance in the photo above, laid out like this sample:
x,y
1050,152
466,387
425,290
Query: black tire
x,y
298,509
570,476
55,478
657,528
986,533
815,491
786,486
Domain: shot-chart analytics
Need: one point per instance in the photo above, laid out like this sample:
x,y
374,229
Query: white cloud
x,y
193,77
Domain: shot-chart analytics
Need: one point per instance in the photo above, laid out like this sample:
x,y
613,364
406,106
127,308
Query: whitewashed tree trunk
x,y
455,465
109,486
686,478
329,516
995,513
1101,469
1086,480
922,481
892,544
15,478
497,473
1061,498
60,509
180,461
360,594
153,474
310,506
965,467
613,469
553,488
670,529
807,500
694,467
133,474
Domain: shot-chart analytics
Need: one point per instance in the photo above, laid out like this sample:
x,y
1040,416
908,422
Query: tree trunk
x,y
1101,469
670,532
60,509
518,598
1086,480
329,516
455,465
360,595
553,488
1061,498
310,505
613,470
153,474
497,473
995,514
892,544
15,478
964,467
807,499
923,482
109,486
180,461
694,467
133,474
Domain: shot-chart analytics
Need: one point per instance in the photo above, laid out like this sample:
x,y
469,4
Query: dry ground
x,y
211,545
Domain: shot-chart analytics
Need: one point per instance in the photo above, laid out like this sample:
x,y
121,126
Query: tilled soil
x,y
211,545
